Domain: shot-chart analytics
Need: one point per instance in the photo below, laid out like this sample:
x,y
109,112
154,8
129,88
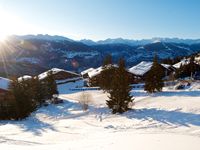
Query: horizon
x,y
98,20
108,38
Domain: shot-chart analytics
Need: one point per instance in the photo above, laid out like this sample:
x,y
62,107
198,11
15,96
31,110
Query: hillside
x,y
47,52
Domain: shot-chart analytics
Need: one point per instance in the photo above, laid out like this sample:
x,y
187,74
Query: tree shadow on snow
x,y
35,126
178,93
30,124
141,93
167,117
37,123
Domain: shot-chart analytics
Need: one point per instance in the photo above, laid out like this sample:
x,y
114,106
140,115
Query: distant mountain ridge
x,y
140,42
42,37
32,54
129,42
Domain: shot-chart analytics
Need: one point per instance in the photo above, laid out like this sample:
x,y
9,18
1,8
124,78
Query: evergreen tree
x,y
106,77
25,96
39,90
187,70
8,107
51,86
106,74
192,67
153,79
120,97
24,99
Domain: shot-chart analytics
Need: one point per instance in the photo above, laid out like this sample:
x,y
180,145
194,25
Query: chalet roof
x,y
95,72
143,67
98,70
182,62
55,71
25,77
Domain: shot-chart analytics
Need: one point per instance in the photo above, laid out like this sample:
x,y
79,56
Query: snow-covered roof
x,y
54,71
197,58
87,71
141,68
25,77
4,83
182,62
98,70
95,72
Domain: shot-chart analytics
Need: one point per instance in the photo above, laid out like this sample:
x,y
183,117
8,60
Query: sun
x,y
3,37
11,24
6,21
7,25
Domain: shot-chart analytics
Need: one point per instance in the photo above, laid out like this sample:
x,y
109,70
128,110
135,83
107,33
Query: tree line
x,y
115,81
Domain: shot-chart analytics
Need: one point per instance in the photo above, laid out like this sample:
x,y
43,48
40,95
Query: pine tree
x,y
106,77
8,107
39,90
153,79
192,67
51,86
187,70
24,99
106,74
120,97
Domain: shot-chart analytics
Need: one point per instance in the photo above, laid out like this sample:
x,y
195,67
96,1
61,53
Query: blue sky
x,y
101,19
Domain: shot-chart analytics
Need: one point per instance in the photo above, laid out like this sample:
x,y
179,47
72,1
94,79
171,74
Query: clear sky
x,y
101,19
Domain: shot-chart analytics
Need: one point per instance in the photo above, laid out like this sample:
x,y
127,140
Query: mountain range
x,y
32,54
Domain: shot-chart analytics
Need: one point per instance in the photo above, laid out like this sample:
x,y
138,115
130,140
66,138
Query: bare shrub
x,y
85,99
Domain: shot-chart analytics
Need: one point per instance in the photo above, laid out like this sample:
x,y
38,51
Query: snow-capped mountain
x,y
32,54
131,42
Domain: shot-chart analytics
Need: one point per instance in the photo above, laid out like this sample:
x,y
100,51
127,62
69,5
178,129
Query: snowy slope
x,y
161,121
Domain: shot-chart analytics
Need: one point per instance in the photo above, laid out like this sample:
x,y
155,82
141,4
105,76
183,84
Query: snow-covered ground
x,y
161,121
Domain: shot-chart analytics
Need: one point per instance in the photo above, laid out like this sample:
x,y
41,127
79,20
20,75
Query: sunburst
x,y
11,24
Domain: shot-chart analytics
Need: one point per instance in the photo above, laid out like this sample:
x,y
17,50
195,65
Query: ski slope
x,y
167,120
